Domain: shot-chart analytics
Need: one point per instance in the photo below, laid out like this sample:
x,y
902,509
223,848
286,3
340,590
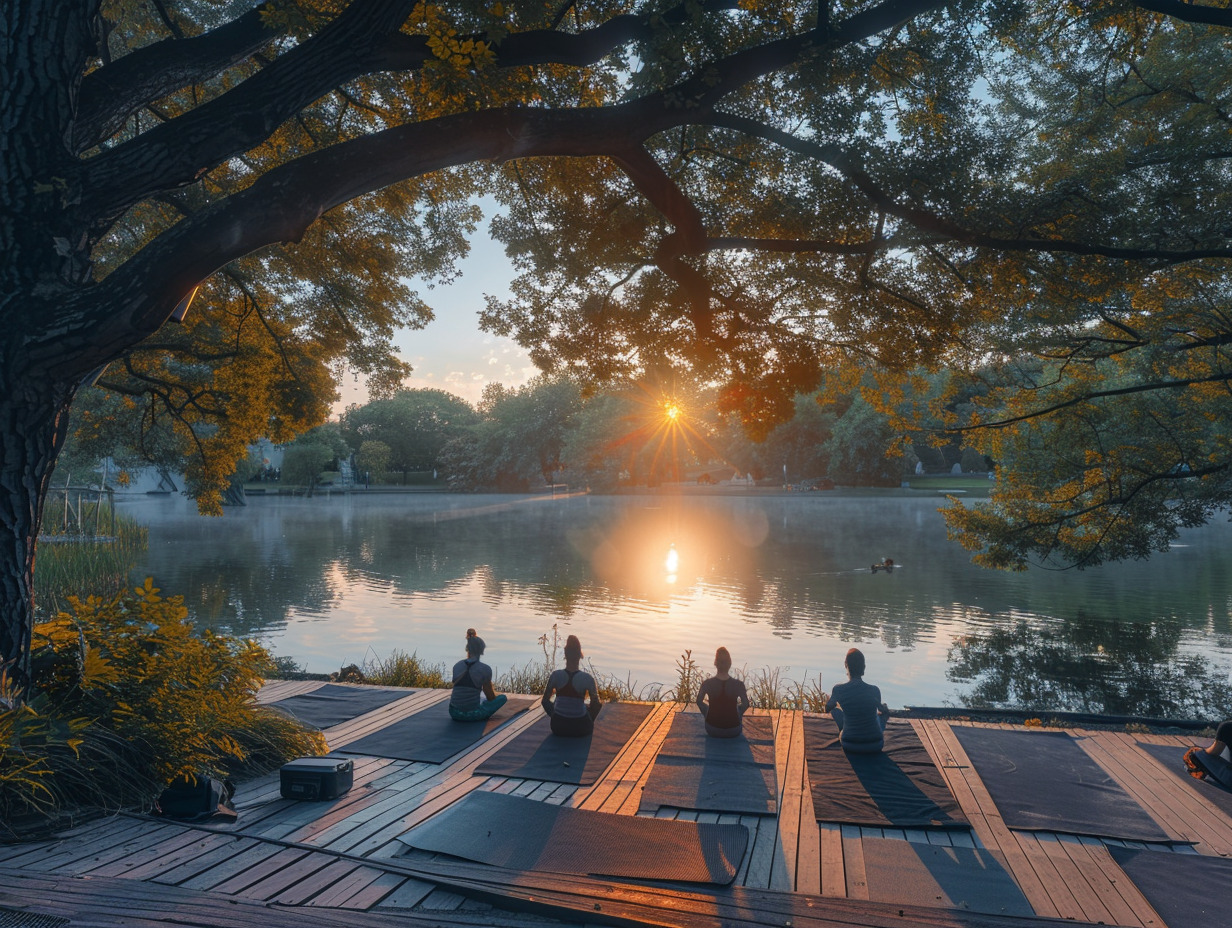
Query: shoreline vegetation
x,y
767,689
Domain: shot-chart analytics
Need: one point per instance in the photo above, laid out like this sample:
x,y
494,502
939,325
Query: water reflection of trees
x,y
794,565
1090,664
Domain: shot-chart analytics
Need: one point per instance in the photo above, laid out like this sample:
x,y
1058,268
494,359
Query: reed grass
x,y
402,669
77,565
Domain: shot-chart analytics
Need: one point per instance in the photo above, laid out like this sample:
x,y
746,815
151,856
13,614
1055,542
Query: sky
x,y
452,353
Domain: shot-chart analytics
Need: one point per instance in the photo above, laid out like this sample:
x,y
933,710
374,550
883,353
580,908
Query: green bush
x,y
129,695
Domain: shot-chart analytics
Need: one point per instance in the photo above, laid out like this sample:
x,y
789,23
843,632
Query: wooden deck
x,y
304,860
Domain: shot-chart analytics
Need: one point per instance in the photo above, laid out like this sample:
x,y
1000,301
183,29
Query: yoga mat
x,y
1170,756
537,754
910,873
1043,781
899,787
1185,889
694,771
519,833
333,704
430,735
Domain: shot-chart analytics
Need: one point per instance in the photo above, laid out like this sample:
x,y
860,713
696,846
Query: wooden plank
x,y
276,690
768,856
1090,906
395,817
273,863
407,895
105,836
796,805
1130,771
367,896
981,811
853,862
1130,895
441,900
226,869
573,897
119,903
204,843
308,868
1164,796
1100,879
619,789
137,857
833,872
198,865
324,879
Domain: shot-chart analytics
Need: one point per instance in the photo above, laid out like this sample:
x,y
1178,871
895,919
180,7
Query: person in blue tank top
x,y
722,699
472,681
857,709
571,716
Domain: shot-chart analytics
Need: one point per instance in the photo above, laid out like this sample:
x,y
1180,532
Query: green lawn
x,y
948,482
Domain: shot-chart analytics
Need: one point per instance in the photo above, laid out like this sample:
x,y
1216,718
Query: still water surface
x,y
782,581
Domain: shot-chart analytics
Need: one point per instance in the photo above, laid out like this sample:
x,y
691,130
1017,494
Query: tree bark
x,y
33,422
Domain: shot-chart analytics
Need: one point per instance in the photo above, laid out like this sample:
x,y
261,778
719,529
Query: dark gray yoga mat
x,y
333,704
1185,889
907,872
1043,781
1170,756
518,833
898,787
537,754
430,735
694,771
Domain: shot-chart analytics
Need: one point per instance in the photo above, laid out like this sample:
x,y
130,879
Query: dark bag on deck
x,y
197,799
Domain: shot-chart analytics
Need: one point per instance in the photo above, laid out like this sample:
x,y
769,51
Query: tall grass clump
x,y
78,565
689,678
402,669
128,695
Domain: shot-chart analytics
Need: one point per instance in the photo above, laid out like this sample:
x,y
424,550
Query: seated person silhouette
x,y
472,681
857,709
571,716
722,699
1215,760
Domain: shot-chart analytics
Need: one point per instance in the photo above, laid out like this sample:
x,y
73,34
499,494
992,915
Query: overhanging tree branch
x,y
110,94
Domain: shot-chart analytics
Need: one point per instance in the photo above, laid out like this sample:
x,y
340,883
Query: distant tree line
x,y
552,431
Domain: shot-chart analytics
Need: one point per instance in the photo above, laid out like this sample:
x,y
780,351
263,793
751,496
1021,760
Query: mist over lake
x,y
783,581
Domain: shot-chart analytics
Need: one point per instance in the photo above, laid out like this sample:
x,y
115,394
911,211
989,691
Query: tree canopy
x,y
753,190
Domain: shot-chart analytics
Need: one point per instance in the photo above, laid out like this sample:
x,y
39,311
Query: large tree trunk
x,y
33,419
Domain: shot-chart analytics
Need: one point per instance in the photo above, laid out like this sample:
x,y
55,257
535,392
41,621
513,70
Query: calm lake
x,y
782,580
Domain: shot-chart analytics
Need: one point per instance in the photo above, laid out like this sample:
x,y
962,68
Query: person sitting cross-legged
x,y
472,682
571,716
857,709
722,699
